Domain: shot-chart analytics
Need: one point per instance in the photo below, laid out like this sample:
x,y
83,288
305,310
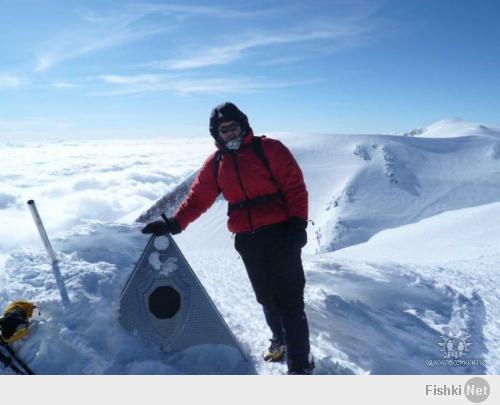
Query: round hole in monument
x,y
164,302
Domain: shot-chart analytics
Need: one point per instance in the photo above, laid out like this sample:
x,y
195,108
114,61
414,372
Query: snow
x,y
401,255
456,127
453,128
475,236
457,249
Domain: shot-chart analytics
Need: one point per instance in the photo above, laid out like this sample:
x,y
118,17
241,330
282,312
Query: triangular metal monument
x,y
164,301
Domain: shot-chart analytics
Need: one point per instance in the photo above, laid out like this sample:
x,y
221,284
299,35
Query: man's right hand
x,y
160,227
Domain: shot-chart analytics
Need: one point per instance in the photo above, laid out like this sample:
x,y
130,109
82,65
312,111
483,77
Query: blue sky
x,y
90,69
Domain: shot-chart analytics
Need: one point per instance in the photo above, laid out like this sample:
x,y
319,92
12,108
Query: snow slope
x,y
360,185
453,128
398,258
457,249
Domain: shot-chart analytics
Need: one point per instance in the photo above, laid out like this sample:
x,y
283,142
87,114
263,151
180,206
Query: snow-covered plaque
x,y
164,301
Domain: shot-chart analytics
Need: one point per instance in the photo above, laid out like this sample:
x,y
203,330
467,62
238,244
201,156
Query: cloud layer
x,y
79,181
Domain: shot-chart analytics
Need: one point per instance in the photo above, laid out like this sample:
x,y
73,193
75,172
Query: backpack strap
x,y
218,156
258,149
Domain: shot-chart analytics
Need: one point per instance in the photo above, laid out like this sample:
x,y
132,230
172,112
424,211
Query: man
x,y
267,210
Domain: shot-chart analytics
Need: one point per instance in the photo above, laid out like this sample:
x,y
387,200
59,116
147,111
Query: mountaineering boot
x,y
307,370
275,352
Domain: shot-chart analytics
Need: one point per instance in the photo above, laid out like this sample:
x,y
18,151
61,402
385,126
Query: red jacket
x,y
256,181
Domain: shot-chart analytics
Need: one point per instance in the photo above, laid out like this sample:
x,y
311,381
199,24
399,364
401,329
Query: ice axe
x,y
50,252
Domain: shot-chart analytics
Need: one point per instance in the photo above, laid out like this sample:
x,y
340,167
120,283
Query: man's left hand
x,y
297,235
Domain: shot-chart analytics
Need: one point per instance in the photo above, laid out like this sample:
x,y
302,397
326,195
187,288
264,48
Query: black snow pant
x,y
277,278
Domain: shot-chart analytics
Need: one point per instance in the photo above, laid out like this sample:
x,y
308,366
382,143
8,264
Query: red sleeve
x,y
202,194
289,175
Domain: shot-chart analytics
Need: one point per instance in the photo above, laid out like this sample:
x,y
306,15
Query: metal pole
x,y
50,252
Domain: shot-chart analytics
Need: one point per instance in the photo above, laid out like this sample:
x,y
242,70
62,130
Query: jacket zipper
x,y
243,189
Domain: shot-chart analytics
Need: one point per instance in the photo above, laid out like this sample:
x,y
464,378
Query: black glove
x,y
163,227
297,235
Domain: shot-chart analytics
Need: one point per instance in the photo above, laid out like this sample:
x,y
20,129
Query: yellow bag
x,y
14,324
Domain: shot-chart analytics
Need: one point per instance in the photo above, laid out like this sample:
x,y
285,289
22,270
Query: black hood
x,y
223,113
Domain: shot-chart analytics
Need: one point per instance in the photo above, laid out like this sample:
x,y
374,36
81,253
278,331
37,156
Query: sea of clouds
x,y
71,182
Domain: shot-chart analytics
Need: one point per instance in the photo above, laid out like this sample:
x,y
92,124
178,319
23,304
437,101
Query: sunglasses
x,y
230,128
